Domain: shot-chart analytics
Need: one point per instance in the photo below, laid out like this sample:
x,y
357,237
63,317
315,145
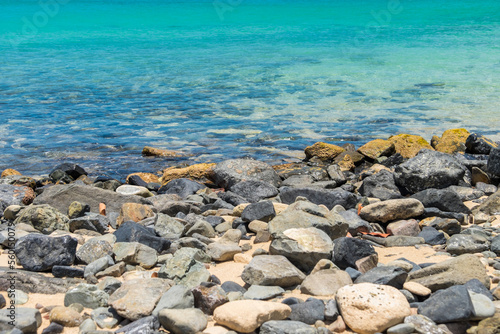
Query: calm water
x,y
94,81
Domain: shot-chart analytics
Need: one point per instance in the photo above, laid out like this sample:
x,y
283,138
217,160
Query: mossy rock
x,y
409,145
377,148
201,172
451,141
324,151
9,172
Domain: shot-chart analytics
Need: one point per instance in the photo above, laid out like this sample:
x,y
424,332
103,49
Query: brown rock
x,y
479,175
323,151
417,289
325,282
409,145
367,263
135,212
198,172
346,164
66,316
392,209
404,227
149,151
208,298
146,177
338,326
451,141
9,171
377,148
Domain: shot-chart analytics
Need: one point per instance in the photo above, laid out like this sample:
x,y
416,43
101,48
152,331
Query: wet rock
x,y
440,307
207,297
87,295
245,316
429,169
308,312
135,253
263,211
304,247
254,191
230,172
92,222
133,232
443,199
392,210
182,187
137,298
272,270
329,198
461,244
66,316
380,185
386,275
377,148
37,252
183,321
478,144
324,151
348,251
370,308
44,218
177,297
286,327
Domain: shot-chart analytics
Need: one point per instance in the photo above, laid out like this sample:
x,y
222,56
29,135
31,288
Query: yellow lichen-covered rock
x,y
346,164
323,151
451,141
409,145
377,148
197,172
149,151
146,177
9,171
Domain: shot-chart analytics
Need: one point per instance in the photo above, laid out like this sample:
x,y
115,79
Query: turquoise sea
x,y
92,82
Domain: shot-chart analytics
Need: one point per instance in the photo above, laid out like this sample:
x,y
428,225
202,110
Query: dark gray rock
x,y
72,170
230,172
476,286
3,302
35,283
347,251
429,169
353,273
443,199
355,222
263,210
232,198
435,212
230,286
461,244
66,271
26,319
37,252
478,144
331,310
254,191
329,198
186,321
146,325
53,328
432,236
336,174
93,250
441,307
494,162
132,232
386,275
136,180
286,327
177,297
181,187
487,189
14,195
91,221
380,185
495,245
467,193
308,312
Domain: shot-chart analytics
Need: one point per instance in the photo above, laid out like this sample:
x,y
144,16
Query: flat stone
x,y
286,327
325,282
392,210
183,321
260,292
462,244
221,252
386,275
272,270
66,316
30,282
417,289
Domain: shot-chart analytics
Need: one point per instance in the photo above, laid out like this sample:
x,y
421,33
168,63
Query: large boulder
x,y
303,214
61,196
393,209
376,148
452,141
443,199
380,185
409,145
272,270
230,172
329,198
254,191
38,252
44,218
324,151
478,144
429,169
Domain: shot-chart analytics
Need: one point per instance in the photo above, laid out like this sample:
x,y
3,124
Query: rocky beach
x,y
398,236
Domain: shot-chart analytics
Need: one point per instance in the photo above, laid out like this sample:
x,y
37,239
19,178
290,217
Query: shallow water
x,y
94,81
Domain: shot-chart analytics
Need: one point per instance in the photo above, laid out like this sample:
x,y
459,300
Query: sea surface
x,y
94,81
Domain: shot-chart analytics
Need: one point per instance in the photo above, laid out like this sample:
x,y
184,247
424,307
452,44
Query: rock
x,y
134,212
409,145
466,193
183,321
98,265
356,224
43,218
260,292
137,298
142,179
27,320
222,252
329,198
92,222
377,148
254,191
331,310
423,324
452,141
149,151
386,275
479,177
455,271
11,212
476,286
40,253
489,326
336,174
417,289
105,317
263,211
370,308
348,251
400,241
443,199
53,328
478,144
20,297
380,185
93,250
115,270
462,244
392,210
429,169
324,151
9,171
87,295
401,329
196,172
182,187
245,316
177,297
183,269
286,327
65,316
169,228
308,312
61,196
482,305
230,286
15,195
449,226
135,253
77,209
35,283
304,214
207,297
133,232
440,307
487,189
404,227
493,165
230,172
272,270
129,190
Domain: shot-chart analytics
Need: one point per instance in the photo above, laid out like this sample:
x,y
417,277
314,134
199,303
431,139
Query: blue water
x,y
94,81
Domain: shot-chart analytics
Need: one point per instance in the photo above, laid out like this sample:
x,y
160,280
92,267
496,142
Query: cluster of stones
x,y
134,257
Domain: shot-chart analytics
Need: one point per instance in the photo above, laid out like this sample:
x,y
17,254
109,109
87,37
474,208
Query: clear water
x,y
94,81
